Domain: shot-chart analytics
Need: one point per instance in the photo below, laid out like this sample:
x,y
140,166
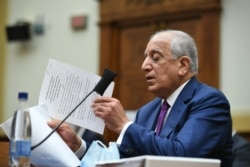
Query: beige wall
x,y
3,7
234,64
26,62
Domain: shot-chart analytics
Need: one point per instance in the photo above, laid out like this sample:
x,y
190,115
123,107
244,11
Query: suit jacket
x,y
199,125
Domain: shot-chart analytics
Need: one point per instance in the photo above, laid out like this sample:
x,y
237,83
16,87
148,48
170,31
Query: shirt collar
x,y
171,99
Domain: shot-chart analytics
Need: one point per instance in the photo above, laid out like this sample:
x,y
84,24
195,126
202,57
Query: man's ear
x,y
184,65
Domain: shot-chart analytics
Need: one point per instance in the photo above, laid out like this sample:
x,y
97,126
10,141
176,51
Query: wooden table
x,y
4,153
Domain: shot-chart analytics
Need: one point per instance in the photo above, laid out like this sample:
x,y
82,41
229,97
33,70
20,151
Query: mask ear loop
x,y
101,144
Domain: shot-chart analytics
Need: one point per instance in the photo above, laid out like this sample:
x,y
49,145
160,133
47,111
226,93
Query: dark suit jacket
x,y
241,151
199,125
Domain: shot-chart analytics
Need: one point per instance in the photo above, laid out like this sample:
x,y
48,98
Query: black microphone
x,y
107,77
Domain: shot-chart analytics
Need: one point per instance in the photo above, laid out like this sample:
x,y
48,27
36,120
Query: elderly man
x,y
196,122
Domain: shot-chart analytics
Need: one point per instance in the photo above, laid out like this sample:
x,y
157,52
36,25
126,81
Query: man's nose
x,y
146,64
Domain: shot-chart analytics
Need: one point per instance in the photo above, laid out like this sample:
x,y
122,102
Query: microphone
x,y
107,77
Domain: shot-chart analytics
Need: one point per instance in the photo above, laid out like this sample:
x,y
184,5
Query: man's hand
x,y
67,134
111,112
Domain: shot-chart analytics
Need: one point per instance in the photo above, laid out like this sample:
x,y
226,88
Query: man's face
x,y
161,69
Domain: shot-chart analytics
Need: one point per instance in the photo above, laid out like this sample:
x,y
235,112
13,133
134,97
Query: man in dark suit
x,y
198,123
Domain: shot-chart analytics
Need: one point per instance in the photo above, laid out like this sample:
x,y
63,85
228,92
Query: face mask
x,y
98,152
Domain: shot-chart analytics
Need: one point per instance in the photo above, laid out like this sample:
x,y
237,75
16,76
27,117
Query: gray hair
x,y
183,44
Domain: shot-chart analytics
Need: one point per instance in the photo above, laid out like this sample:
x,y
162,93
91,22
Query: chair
x,y
241,151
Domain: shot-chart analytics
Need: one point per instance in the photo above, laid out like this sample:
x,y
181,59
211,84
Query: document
x,y
64,86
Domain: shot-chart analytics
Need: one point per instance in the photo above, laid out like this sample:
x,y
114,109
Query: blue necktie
x,y
164,108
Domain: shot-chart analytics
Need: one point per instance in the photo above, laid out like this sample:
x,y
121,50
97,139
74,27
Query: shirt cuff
x,y
80,152
124,129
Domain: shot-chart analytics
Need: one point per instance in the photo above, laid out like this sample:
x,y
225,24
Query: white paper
x,y
160,161
64,86
54,151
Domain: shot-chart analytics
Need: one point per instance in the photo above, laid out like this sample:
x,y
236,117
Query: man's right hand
x,y
67,133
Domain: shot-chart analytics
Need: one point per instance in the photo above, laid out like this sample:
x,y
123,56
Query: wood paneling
x,y
3,20
4,153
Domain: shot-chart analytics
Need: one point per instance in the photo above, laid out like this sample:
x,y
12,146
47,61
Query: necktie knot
x,y
162,116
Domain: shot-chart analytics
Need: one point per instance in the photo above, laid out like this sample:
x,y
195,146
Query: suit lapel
x,y
153,118
147,115
179,107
